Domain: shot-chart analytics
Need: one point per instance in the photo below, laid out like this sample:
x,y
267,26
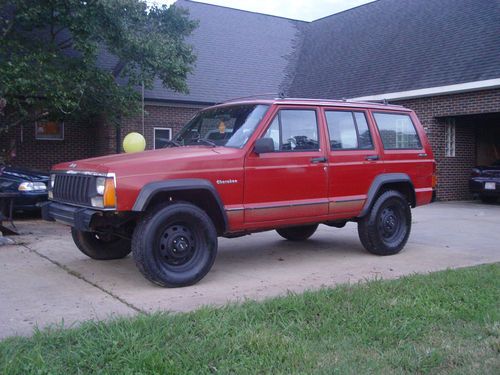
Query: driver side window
x,y
294,130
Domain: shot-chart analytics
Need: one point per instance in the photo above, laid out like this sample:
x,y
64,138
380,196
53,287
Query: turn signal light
x,y
109,197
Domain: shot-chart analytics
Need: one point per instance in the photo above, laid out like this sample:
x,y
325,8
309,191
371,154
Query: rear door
x,y
404,149
354,159
289,184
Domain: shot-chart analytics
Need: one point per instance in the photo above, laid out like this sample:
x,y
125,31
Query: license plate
x,y
489,186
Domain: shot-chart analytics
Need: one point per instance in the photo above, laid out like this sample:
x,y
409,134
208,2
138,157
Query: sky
x,y
306,10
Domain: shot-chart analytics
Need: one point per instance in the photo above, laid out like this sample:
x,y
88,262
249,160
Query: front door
x,y
289,184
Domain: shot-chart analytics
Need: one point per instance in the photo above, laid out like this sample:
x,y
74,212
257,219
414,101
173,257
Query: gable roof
x,y
386,46
393,45
239,53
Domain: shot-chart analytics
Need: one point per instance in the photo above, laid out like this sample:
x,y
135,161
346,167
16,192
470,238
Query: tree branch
x,y
65,43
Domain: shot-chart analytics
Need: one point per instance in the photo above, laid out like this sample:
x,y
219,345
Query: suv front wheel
x,y
386,228
175,245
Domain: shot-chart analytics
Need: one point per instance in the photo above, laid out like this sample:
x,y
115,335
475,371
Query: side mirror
x,y
264,145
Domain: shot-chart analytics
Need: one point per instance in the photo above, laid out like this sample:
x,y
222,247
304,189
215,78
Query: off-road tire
x,y
301,233
101,246
488,199
175,245
386,228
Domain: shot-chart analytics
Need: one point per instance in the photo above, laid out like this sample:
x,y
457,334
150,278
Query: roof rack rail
x,y
281,96
314,99
272,95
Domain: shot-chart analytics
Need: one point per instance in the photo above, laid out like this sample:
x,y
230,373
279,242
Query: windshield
x,y
229,126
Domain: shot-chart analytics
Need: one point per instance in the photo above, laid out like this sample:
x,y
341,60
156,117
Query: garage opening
x,y
468,140
487,138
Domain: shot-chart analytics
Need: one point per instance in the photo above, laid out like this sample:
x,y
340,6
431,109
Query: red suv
x,y
248,166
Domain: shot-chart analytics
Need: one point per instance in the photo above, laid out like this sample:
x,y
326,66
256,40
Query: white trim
x,y
154,135
432,91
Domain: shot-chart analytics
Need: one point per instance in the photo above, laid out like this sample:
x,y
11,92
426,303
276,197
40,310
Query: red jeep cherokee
x,y
249,166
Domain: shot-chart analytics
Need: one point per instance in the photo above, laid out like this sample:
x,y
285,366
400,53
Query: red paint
x,y
280,188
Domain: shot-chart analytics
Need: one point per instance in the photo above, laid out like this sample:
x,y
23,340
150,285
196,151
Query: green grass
x,y
446,322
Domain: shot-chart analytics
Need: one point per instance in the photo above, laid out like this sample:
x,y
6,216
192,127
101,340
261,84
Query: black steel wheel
x,y
175,245
298,233
101,246
386,228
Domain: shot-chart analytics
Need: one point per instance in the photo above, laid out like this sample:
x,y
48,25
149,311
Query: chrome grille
x,y
76,189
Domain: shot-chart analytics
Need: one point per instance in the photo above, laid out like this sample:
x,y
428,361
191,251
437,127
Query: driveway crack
x,y
82,278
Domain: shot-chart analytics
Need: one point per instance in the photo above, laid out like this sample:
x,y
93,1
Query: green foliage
x,y
444,323
49,50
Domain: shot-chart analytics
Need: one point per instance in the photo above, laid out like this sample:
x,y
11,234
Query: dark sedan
x,y
30,185
485,182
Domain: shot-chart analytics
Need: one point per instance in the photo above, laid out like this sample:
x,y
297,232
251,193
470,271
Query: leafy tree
x,y
49,51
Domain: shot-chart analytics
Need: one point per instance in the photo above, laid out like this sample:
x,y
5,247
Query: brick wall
x,y
156,116
83,141
78,143
453,172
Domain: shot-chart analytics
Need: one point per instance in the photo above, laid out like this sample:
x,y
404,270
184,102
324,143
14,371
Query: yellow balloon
x,y
134,142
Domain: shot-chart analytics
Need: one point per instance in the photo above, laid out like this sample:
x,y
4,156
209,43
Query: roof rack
x,y
281,96
267,95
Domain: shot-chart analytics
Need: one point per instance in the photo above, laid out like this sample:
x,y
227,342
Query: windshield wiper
x,y
173,143
206,141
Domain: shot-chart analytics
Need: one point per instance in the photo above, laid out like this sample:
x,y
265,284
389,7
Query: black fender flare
x,y
149,190
379,182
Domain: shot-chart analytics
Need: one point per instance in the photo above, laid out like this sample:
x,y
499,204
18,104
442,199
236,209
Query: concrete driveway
x,y
45,280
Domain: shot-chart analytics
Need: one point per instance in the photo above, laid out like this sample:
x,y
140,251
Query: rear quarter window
x,y
397,131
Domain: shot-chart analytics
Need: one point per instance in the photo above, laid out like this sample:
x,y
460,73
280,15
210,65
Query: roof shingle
x,y
381,47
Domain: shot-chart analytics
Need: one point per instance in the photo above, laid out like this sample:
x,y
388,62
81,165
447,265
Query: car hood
x,y
24,174
485,168
125,164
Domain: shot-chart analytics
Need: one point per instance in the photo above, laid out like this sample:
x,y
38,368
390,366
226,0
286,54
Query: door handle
x,y
422,155
371,157
318,160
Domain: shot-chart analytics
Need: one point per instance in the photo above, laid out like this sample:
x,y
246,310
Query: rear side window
x,y
294,130
348,130
397,131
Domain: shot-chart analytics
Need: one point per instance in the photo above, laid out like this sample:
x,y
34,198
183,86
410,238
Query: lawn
x,y
446,322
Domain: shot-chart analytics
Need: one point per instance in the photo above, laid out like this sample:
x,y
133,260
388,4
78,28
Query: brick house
x,y
440,58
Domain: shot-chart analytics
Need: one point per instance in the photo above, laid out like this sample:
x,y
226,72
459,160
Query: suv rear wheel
x,y
101,246
386,228
297,233
175,245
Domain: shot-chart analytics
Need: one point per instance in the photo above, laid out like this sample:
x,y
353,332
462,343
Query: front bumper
x,y
29,201
77,217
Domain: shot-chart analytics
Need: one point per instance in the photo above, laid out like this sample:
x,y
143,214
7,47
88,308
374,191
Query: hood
x,y
24,174
165,159
489,167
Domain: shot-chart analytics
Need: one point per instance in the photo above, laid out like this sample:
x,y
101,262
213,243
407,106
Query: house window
x,y
49,130
161,137
449,137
